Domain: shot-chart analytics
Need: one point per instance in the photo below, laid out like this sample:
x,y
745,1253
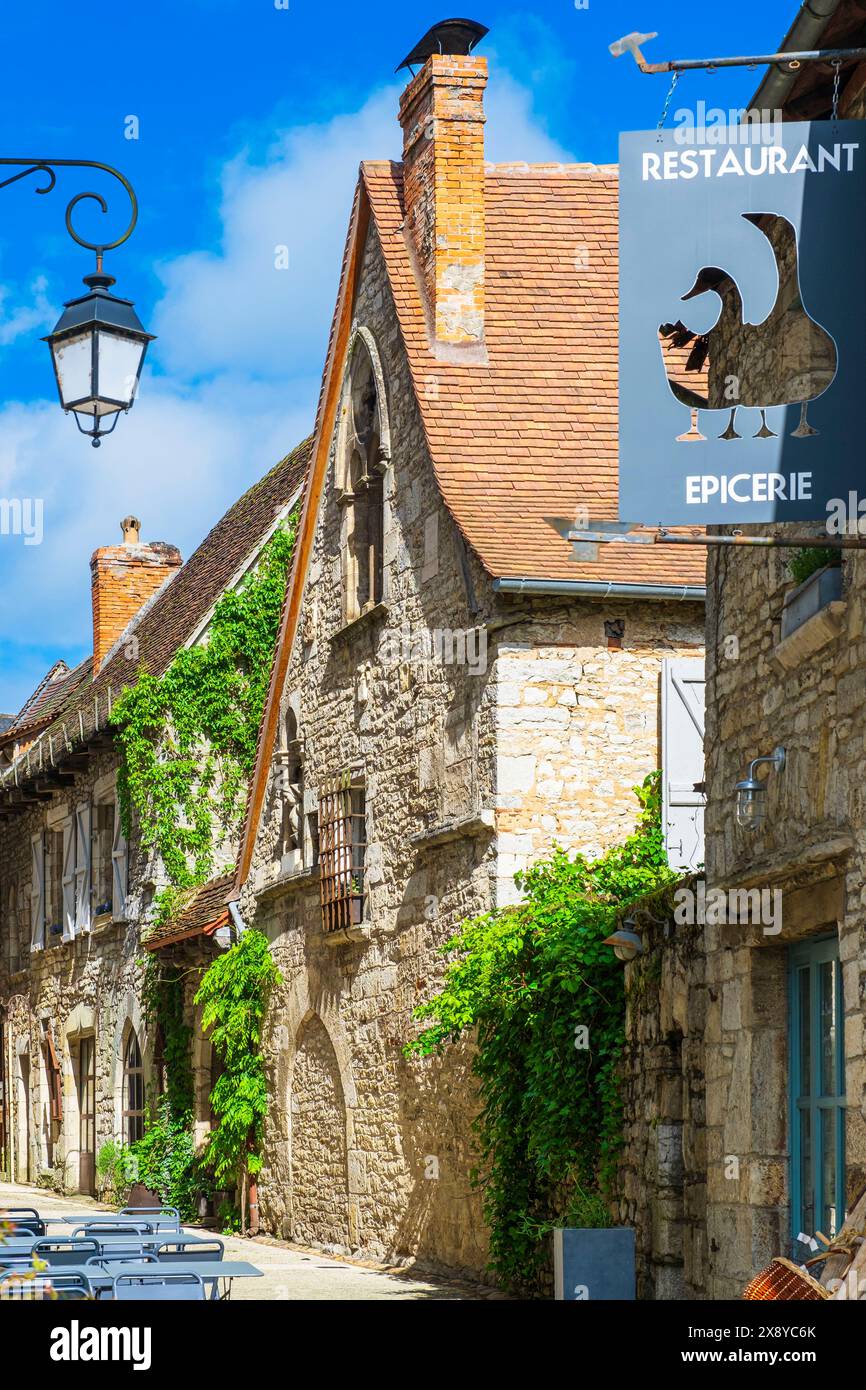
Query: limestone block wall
x,y
578,723
88,986
662,1179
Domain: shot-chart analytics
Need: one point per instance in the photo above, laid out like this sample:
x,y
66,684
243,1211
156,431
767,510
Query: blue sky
x,y
252,121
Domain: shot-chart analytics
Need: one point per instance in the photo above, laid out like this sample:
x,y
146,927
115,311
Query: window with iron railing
x,y
342,851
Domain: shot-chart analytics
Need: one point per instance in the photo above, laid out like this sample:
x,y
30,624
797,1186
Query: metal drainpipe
x,y
803,35
252,1183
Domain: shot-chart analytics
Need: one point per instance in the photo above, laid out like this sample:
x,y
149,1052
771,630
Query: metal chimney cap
x,y
452,36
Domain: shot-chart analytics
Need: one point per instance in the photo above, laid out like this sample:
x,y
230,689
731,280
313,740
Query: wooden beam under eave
x,y
331,388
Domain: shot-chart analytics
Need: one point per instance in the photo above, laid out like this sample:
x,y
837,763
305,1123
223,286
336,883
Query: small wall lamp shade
x,y
626,944
98,349
751,792
751,803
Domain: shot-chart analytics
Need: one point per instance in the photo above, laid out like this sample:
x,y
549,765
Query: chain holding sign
x,y
741,352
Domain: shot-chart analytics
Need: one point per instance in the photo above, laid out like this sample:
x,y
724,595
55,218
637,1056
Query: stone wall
x,y
810,699
662,1178
578,722
89,986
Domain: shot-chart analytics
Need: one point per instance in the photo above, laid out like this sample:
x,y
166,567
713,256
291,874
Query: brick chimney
x,y
442,115
123,577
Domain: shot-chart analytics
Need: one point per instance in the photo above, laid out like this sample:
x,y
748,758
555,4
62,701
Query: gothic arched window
x,y
362,487
133,1090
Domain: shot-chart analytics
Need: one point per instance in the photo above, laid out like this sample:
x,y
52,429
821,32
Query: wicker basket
x,y
785,1282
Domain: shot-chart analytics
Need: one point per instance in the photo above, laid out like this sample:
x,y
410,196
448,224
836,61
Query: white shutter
x,y
119,868
683,684
37,892
68,879
83,817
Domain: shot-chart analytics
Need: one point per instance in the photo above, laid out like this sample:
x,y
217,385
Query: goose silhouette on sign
x,y
787,359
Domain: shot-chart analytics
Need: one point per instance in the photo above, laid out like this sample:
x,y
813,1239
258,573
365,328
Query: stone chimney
x,y
123,578
442,115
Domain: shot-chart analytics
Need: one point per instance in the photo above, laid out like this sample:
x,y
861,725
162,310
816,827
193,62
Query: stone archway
x,y
320,1190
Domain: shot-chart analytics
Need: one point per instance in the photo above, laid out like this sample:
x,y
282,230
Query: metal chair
x,y
114,1228
181,1248
164,1288
57,1251
164,1218
112,1265
20,1286
25,1220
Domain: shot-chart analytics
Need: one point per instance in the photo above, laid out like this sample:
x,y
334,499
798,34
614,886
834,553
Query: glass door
x,y
817,1068
87,1115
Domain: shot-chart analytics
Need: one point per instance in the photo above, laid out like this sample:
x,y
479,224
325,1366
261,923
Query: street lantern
x,y
98,348
752,791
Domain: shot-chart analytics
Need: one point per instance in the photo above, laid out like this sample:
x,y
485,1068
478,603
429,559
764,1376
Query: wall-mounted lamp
x,y
752,791
626,942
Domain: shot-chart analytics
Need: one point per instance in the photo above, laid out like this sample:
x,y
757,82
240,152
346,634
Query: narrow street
x,y
290,1273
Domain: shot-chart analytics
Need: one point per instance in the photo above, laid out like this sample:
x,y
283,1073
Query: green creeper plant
x,y
234,993
545,999
187,738
187,741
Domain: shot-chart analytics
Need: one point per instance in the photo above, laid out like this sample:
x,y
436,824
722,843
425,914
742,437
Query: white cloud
x,y
25,318
233,308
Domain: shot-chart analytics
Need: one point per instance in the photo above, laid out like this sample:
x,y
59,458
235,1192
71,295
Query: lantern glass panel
x,y
750,807
73,359
119,364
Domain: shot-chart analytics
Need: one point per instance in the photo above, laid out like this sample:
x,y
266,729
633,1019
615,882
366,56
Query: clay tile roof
x,y
178,609
52,692
202,912
533,433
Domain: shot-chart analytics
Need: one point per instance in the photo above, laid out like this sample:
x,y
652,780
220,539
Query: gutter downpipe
x,y
251,1225
803,35
601,588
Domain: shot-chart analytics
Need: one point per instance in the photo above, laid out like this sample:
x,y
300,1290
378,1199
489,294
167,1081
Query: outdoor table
x,y
107,1218
209,1271
18,1248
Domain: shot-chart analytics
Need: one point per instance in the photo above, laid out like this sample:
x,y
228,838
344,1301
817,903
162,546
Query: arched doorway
x,y
318,1145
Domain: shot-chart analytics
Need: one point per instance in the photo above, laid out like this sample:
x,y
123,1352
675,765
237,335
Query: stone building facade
x,y
745,1072
453,690
76,900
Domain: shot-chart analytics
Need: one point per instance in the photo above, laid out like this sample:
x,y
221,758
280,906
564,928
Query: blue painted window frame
x,y
822,1109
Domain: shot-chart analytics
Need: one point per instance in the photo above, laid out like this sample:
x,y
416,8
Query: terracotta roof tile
x,y
532,434
202,912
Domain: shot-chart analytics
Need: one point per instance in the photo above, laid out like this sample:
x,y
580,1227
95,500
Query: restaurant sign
x,y
742,387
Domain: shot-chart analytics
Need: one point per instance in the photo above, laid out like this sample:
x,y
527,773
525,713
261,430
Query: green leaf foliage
x,y
187,738
234,994
187,741
528,980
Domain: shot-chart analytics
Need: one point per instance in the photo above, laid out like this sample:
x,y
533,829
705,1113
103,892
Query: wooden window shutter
x,y
37,892
55,1077
119,868
68,874
683,683
83,820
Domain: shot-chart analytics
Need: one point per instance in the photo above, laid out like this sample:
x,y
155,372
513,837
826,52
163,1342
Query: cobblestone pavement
x,y
290,1272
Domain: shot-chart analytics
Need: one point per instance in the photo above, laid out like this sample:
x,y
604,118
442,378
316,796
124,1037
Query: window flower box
x,y
802,603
